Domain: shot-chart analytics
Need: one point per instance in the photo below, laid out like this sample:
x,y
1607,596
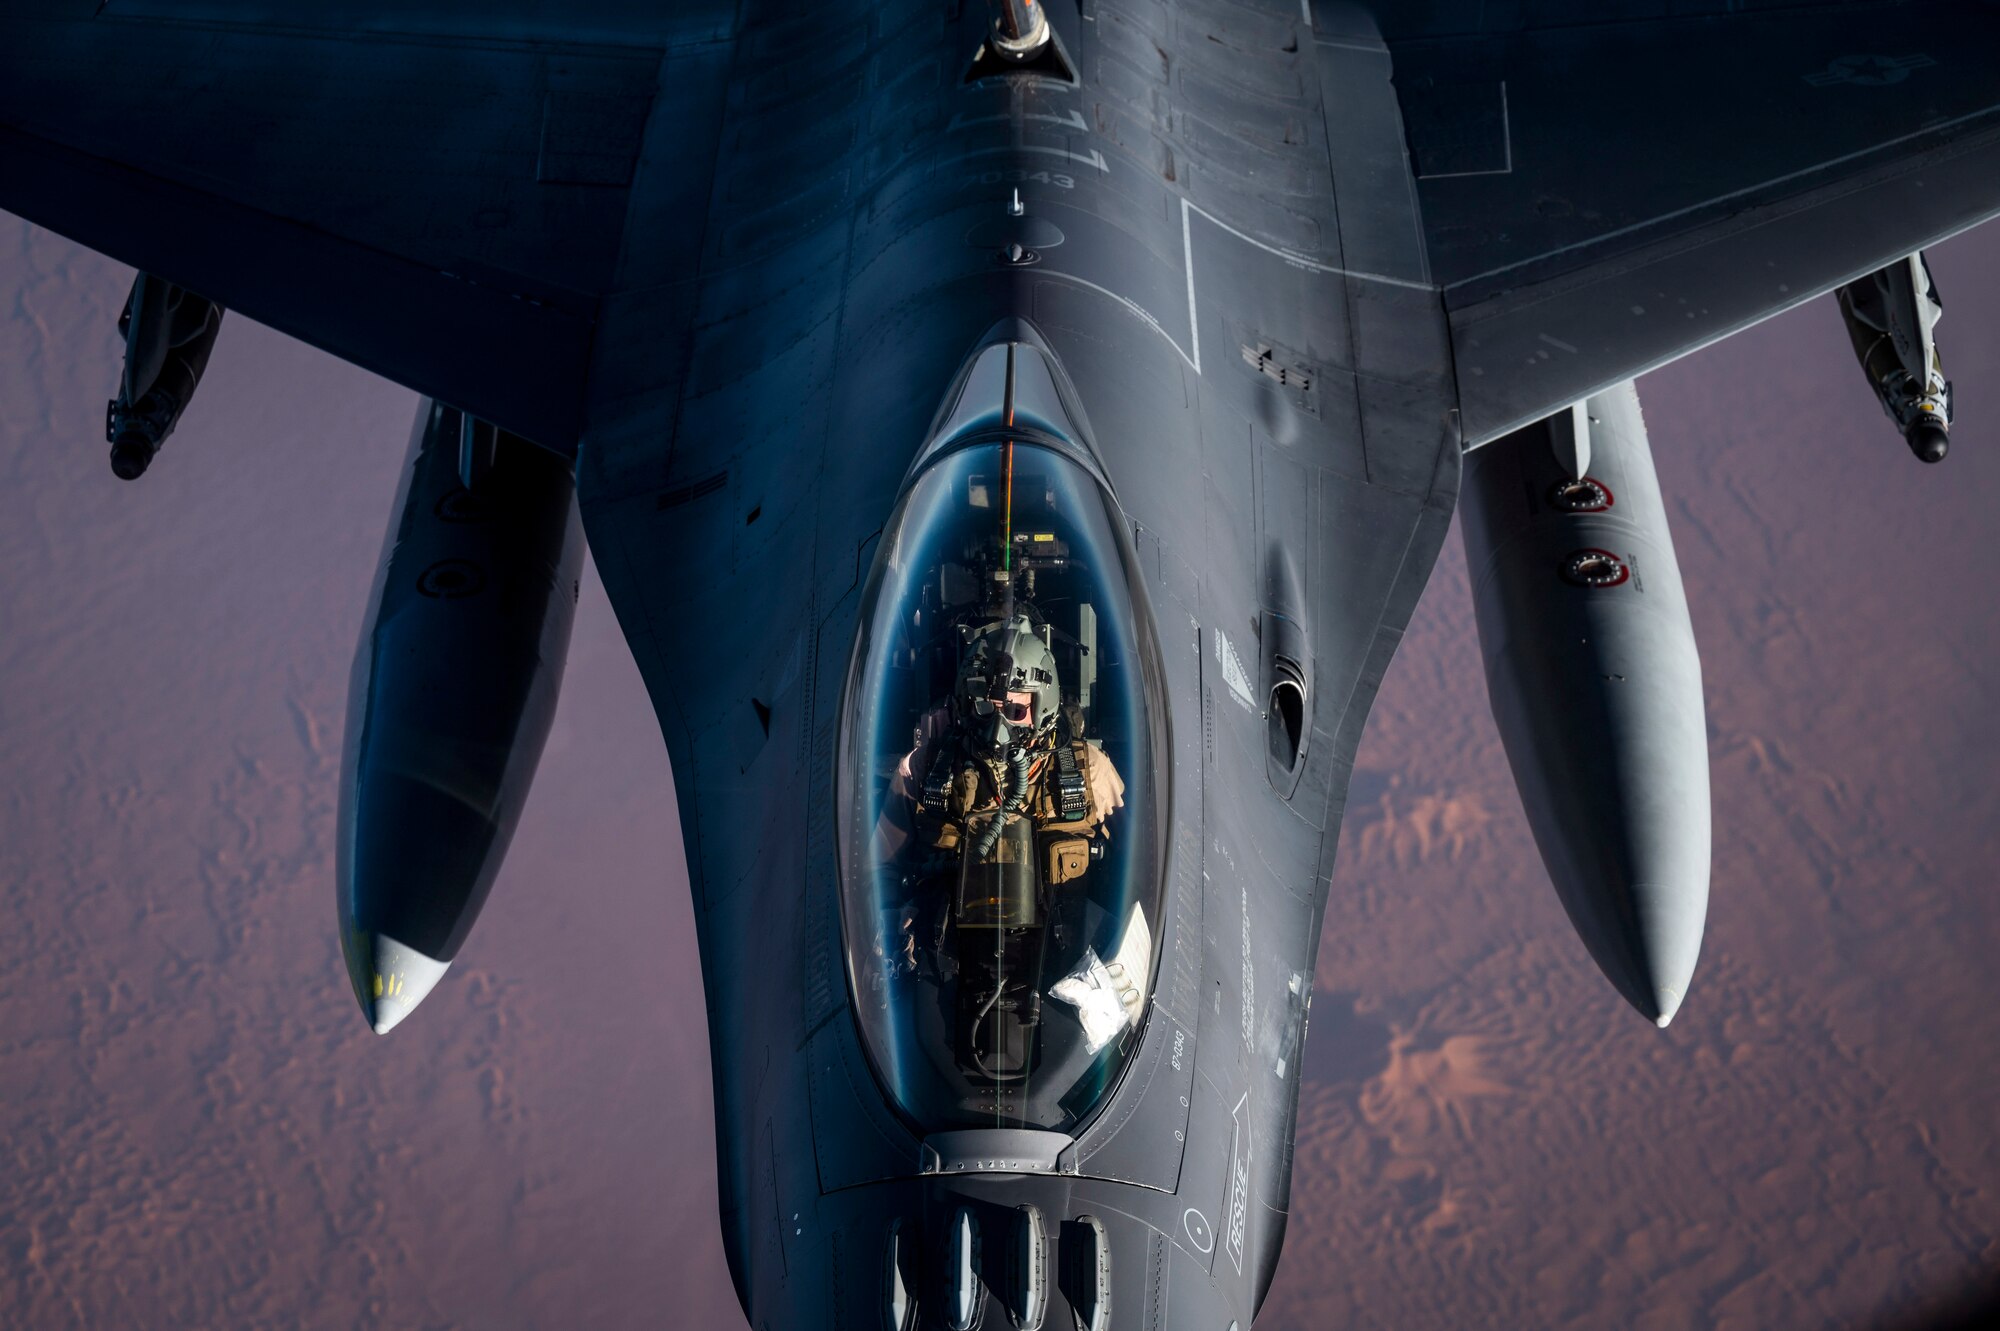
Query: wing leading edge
x,y
445,204
443,197
1602,193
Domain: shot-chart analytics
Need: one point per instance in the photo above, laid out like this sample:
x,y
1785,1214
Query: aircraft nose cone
x,y
390,978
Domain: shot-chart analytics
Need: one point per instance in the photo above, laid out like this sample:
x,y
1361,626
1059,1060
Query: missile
x,y
453,692
1891,318
1595,684
169,332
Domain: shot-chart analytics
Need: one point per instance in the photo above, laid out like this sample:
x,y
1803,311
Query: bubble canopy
x,y
1000,794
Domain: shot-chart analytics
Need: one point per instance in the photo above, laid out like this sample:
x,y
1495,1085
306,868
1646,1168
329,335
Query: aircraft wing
x,y
436,190
1604,188
440,191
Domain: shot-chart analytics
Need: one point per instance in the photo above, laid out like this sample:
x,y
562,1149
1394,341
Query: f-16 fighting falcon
x,y
1014,440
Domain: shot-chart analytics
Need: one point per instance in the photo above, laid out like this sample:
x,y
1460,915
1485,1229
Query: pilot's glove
x,y
1106,787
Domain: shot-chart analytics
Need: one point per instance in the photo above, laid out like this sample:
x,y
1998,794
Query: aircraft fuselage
x,y
1238,346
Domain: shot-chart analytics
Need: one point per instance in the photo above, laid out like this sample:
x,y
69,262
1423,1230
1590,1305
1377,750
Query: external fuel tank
x,y
453,692
1596,685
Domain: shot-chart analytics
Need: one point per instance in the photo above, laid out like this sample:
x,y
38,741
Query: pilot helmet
x,y
1006,660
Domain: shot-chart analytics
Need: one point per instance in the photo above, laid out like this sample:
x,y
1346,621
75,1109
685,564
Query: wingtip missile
x,y
169,332
1891,317
131,453
1929,441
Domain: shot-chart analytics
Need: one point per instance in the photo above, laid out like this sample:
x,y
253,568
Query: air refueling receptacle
x,y
169,332
1019,30
1891,317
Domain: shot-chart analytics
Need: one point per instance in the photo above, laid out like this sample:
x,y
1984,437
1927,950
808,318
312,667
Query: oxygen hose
x,y
1017,800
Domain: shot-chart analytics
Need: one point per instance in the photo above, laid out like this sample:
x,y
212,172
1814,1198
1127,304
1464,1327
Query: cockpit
x,y
1001,819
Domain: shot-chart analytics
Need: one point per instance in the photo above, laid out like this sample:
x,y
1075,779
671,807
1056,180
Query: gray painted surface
x,y
1596,686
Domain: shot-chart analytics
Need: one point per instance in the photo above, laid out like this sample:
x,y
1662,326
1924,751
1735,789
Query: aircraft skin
x,y
811,398
1187,1165
1272,270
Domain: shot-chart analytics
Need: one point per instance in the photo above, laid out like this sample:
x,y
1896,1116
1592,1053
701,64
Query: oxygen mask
x,y
998,724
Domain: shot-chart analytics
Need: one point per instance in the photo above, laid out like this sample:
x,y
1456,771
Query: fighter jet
x,y
1014,441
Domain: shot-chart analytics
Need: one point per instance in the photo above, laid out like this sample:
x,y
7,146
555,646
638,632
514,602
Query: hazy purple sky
x,y
197,1128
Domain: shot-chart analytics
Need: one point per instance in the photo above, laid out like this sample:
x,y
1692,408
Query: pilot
x,y
1013,805
1005,750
